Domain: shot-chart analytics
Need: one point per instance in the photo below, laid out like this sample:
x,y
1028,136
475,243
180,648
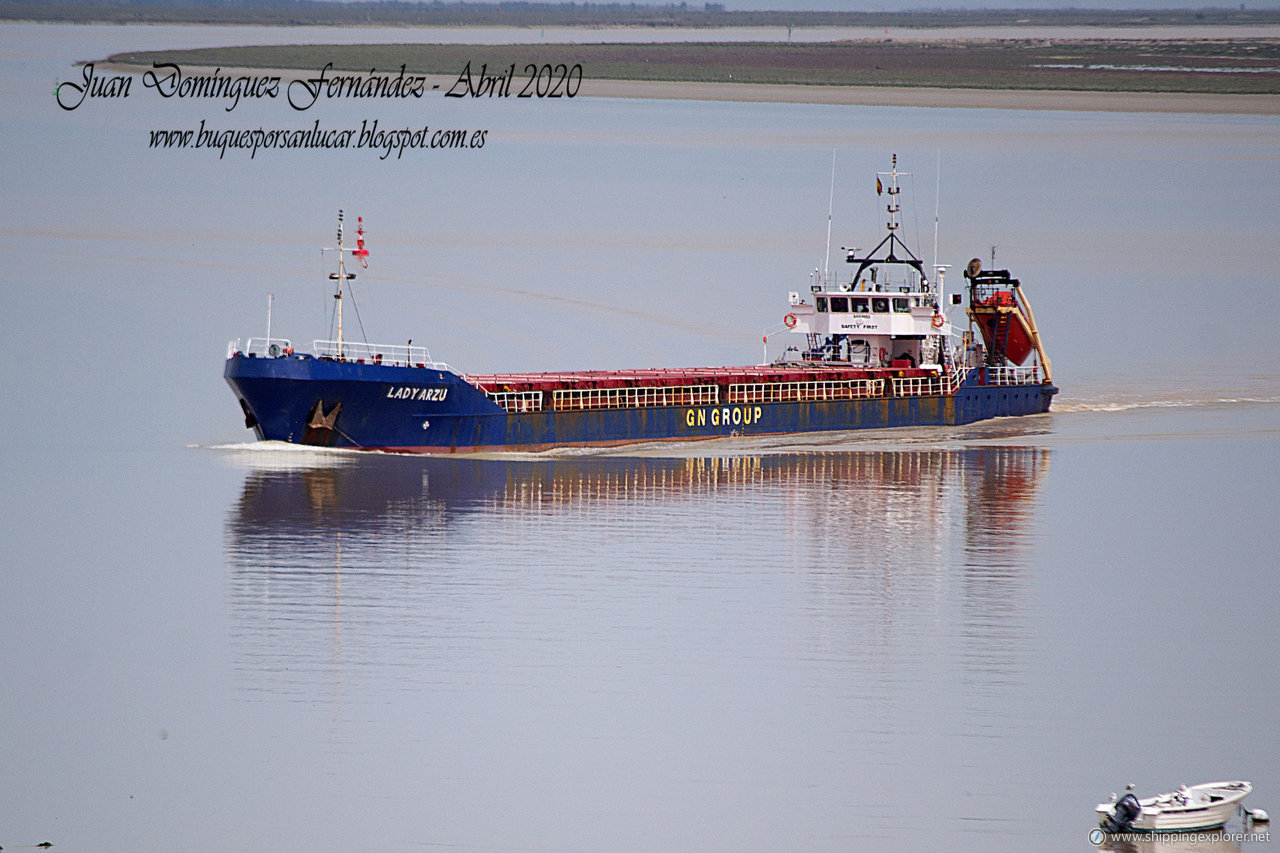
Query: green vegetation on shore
x,y
541,14
1199,66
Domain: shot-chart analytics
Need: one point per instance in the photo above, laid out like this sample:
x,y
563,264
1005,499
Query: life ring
x,y
790,321
938,321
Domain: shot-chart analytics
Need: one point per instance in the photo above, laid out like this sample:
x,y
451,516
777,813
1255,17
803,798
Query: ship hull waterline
x,y
318,402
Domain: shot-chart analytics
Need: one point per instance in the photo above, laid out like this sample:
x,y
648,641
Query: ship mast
x,y
342,275
894,208
891,239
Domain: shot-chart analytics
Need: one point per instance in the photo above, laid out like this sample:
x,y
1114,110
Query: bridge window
x,y
860,306
901,305
839,304
880,305
822,304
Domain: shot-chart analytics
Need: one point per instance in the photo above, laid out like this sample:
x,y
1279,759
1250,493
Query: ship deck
x,y
680,376
705,386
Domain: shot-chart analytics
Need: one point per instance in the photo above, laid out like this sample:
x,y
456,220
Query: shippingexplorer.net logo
x,y
1097,837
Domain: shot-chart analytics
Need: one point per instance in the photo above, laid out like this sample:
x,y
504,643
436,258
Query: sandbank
x,y
874,96
903,96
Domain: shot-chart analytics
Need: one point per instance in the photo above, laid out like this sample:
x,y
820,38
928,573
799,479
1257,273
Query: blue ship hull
x,y
307,400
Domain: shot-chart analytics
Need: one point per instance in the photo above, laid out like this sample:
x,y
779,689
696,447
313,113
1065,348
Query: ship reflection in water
x,y
815,626
872,567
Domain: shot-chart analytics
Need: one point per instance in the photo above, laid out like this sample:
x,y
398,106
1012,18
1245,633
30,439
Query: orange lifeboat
x,y
995,307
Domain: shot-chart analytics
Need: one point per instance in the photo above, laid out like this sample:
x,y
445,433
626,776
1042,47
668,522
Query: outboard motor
x,y
1126,812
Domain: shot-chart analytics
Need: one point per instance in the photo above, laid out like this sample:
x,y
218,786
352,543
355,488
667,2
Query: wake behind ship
x,y
876,350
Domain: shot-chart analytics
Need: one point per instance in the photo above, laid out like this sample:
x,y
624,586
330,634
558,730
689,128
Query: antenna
x,y
826,263
937,201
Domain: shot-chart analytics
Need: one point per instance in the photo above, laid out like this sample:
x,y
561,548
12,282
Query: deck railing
x,y
920,386
261,347
1014,375
941,384
517,401
570,399
786,392
375,353
389,354
393,354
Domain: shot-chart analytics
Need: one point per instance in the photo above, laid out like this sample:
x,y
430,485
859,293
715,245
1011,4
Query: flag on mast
x,y
360,251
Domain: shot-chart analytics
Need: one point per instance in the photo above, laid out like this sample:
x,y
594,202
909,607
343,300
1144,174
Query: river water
x,y
933,639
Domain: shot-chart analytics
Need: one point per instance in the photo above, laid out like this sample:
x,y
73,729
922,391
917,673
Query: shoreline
x,y
910,96
873,96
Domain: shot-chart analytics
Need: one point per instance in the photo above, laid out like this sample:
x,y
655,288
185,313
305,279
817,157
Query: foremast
x,y
342,276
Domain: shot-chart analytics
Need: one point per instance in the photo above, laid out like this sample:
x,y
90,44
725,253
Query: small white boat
x,y
1188,809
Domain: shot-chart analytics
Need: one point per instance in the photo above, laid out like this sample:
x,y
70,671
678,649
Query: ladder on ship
x,y
1000,338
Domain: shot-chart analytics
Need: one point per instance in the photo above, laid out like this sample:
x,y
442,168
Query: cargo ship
x,y
874,348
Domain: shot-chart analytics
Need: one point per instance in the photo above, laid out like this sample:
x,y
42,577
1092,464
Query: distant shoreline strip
x,y
881,96
908,96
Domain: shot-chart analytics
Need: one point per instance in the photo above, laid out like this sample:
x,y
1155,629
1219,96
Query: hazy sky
x,y
927,5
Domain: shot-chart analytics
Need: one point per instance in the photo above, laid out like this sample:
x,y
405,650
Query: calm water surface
x,y
914,640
